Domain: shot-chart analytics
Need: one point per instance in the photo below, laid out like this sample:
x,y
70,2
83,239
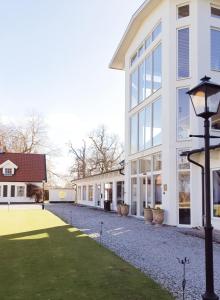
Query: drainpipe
x,y
203,188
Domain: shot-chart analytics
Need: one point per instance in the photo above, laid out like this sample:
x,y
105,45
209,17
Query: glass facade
x,y
146,128
146,184
134,134
157,127
134,196
183,176
90,193
147,77
134,88
183,114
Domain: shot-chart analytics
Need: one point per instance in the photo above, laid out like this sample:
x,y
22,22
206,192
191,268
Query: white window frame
x,y
7,172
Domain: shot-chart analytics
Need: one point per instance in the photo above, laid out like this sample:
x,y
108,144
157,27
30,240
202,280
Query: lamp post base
x,y
208,296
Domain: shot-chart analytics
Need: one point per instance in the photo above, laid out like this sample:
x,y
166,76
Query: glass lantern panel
x,y
213,100
198,101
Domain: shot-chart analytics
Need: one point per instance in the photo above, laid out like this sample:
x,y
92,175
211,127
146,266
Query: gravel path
x,y
154,250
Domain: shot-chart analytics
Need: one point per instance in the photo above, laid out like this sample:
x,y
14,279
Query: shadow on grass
x,y
54,263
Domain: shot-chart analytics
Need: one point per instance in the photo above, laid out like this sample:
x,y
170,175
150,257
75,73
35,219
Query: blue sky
x,y
54,58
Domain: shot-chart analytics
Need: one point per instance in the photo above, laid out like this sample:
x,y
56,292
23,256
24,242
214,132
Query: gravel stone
x,y
154,250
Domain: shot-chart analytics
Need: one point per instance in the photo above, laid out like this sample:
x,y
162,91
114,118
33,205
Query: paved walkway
x,y
152,249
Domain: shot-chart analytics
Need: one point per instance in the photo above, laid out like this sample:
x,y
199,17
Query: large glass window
x,y
12,190
134,134
215,50
183,175
157,129
183,53
90,193
108,191
148,131
156,31
147,78
146,128
79,190
134,88
148,75
141,82
134,196
183,114
216,193
120,191
157,68
141,129
134,167
157,190
84,193
5,191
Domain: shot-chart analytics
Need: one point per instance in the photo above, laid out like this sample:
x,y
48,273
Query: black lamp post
x,y
43,194
205,99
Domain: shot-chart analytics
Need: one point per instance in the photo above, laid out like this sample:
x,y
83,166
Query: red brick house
x,y
19,171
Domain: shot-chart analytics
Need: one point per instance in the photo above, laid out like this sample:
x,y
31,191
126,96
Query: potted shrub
x,y
158,216
148,215
119,203
124,209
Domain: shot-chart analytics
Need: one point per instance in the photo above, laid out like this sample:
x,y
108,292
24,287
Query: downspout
x,y
203,187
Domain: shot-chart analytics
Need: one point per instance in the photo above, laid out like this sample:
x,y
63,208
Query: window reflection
x,y
157,123
134,88
183,117
216,193
134,133
157,68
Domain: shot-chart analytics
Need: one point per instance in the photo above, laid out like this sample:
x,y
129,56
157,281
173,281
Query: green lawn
x,y
41,257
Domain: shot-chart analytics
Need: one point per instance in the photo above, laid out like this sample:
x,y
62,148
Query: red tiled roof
x,y
31,167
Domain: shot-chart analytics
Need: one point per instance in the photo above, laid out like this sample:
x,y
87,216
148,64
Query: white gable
x,y
8,168
8,165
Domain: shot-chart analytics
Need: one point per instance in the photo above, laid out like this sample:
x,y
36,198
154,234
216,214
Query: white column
x,y
114,195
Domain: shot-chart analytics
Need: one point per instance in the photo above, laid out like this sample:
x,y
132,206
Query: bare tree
x,y
106,149
102,154
79,167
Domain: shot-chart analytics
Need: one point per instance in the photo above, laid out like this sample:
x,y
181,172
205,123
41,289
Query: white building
x,y
168,46
94,190
20,175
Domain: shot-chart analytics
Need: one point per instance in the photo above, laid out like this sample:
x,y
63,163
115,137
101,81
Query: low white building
x,y
19,174
94,190
168,46
61,195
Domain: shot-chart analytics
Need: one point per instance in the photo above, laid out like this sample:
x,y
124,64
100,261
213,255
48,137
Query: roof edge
x,y
118,62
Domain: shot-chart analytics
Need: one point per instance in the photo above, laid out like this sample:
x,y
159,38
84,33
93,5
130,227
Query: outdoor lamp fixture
x,y
205,99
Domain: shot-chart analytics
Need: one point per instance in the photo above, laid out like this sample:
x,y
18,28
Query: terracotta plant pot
x,y
119,210
124,209
158,216
148,215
